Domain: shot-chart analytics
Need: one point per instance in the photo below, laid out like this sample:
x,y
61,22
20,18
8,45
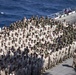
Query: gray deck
x,y
70,18
64,68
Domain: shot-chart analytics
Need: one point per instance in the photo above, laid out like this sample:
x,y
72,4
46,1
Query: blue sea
x,y
13,10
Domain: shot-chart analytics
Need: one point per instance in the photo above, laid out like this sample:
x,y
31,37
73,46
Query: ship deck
x,y
64,68
69,18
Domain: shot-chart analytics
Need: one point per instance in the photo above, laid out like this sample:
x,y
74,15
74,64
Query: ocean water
x,y
13,10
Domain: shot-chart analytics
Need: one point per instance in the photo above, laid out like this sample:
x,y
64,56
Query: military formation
x,y
31,46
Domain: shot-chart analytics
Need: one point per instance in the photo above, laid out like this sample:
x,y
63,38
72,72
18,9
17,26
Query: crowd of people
x,y
31,46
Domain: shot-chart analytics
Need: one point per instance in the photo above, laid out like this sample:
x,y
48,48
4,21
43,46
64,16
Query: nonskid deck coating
x,y
64,68
69,18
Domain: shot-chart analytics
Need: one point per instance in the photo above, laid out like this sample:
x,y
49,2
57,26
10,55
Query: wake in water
x,y
1,13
